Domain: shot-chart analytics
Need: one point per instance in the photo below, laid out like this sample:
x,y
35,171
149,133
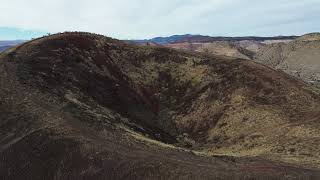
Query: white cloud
x,y
148,18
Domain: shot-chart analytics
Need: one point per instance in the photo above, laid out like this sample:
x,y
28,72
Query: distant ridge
x,y
4,45
202,39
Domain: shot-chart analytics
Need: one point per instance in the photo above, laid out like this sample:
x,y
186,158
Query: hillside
x,y
297,56
300,58
310,37
220,48
84,106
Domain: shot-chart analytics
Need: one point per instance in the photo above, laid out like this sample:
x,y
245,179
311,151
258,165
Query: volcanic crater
x,y
83,106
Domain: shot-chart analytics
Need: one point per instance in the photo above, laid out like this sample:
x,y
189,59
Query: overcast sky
x,y
139,19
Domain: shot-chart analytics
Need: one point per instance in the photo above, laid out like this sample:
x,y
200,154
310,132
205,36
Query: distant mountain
x,y
164,40
8,44
3,48
202,39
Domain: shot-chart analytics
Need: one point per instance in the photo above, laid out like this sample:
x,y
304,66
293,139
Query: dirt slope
x,y
83,106
220,48
300,58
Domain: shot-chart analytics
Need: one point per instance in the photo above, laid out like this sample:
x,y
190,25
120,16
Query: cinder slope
x,y
83,106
